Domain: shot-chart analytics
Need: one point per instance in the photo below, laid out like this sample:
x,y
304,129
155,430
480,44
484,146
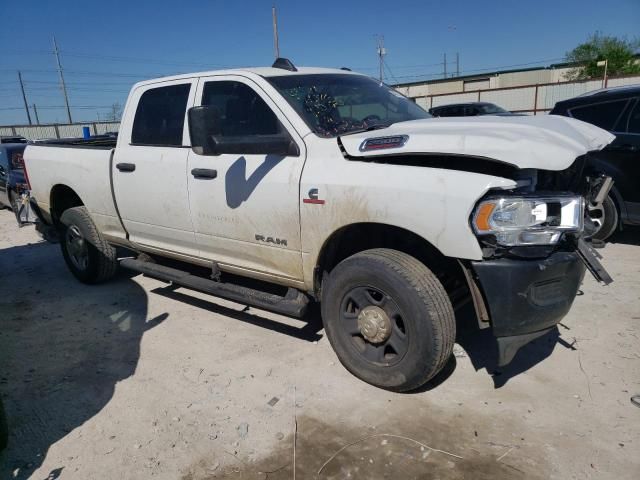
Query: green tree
x,y
620,54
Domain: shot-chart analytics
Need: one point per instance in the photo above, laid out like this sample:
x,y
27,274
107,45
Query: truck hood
x,y
547,142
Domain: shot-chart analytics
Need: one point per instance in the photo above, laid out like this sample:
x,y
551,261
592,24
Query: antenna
x,y
381,53
276,45
56,52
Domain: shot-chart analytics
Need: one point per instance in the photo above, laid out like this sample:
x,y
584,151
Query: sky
x,y
106,46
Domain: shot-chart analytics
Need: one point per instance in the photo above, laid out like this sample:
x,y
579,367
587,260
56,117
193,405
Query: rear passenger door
x,y
247,218
149,167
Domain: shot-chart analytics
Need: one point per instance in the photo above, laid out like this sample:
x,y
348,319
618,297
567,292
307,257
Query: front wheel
x,y
388,318
87,254
605,217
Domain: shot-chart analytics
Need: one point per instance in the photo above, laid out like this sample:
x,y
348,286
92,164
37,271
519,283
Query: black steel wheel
x,y
87,254
374,324
388,318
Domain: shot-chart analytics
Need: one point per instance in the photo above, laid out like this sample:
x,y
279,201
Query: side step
x,y
293,304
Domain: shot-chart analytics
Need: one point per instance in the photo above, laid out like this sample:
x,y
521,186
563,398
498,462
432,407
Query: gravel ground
x,y
134,379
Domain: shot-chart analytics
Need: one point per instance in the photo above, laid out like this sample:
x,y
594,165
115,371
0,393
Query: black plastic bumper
x,y
526,298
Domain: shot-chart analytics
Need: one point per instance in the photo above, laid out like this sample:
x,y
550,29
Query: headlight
x,y
528,220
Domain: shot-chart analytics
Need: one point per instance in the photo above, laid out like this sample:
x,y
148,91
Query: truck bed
x,y
105,142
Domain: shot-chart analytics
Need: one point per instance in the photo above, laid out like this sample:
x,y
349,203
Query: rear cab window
x,y
160,116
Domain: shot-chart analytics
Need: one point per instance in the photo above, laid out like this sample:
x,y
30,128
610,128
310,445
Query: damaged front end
x,y
536,250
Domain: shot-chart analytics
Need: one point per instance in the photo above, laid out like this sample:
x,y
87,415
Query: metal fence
x,y
531,99
57,130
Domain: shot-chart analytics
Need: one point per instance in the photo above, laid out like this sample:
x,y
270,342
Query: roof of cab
x,y
261,71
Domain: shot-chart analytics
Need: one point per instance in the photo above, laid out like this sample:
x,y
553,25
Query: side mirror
x,y
206,139
204,122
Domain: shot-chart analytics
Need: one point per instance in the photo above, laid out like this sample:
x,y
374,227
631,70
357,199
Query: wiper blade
x,y
377,126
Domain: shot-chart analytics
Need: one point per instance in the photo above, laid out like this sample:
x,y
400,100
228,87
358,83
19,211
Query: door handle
x,y
126,167
204,173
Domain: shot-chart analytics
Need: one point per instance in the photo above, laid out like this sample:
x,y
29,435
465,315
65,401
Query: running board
x,y
293,304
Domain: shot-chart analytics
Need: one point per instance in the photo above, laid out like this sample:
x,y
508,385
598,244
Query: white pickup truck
x,y
326,185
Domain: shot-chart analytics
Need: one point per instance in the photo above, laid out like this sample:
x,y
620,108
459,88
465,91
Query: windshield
x,y
335,104
490,108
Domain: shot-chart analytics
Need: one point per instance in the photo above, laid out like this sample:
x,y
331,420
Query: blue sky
x,y
106,46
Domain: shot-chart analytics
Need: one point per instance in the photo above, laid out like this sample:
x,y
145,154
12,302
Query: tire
x,y
608,218
417,317
87,254
4,428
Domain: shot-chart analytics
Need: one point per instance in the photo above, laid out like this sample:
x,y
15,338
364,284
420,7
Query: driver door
x,y
245,208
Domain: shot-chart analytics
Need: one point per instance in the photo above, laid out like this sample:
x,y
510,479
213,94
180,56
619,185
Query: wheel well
x,y
357,237
63,198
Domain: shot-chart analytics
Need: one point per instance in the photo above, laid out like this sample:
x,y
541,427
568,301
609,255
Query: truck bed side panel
x,y
84,170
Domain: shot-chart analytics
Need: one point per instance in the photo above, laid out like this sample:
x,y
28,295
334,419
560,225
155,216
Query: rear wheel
x,y
388,318
605,217
87,254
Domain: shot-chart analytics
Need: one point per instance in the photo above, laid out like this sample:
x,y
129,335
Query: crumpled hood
x,y
547,142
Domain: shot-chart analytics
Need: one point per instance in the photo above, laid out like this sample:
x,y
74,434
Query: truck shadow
x,y
238,187
309,332
480,345
63,348
629,236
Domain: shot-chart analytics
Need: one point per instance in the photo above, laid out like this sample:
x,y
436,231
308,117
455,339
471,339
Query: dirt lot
x,y
134,379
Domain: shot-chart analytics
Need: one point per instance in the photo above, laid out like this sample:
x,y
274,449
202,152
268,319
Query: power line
x,y
118,58
485,69
49,107
390,72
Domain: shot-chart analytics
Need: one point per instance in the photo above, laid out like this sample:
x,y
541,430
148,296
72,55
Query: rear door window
x,y
159,119
604,115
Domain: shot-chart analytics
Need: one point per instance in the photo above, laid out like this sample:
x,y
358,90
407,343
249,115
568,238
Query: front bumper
x,y
527,297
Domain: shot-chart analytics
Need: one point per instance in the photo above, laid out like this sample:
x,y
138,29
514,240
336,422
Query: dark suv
x,y
618,111
12,180
471,109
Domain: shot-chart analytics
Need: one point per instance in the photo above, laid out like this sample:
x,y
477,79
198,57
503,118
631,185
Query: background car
x,y
14,139
12,179
618,111
471,109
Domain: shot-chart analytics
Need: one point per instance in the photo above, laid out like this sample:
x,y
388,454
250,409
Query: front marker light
x,y
528,220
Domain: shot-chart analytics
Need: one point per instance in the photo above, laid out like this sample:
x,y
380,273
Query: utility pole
x,y
457,64
35,110
605,64
56,52
381,53
24,97
445,65
276,44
